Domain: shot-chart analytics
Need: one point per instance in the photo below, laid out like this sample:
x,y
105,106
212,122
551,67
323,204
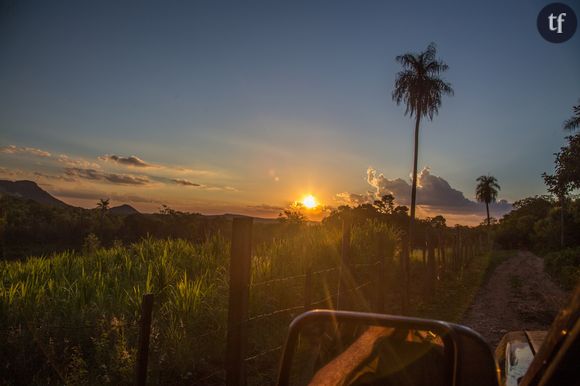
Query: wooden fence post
x,y
240,265
308,290
404,262
381,276
442,254
345,273
144,334
432,263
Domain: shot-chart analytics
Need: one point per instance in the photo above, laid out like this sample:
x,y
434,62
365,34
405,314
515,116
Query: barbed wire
x,y
366,265
274,313
292,277
263,353
325,299
278,280
207,377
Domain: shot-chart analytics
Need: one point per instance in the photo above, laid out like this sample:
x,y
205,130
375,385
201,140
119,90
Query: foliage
x,y
29,228
574,122
567,168
564,266
85,308
486,191
418,85
72,317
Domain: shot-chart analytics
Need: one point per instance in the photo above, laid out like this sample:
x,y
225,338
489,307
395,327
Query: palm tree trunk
x,y
488,218
412,217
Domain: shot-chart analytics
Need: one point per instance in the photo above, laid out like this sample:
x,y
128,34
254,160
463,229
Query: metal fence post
x,y
240,265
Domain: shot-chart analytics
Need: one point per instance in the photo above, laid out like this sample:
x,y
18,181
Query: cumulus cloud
x,y
53,177
97,175
10,173
76,162
434,194
354,199
11,149
132,161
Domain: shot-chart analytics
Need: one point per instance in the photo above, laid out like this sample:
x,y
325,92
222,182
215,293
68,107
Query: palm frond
x,y
418,84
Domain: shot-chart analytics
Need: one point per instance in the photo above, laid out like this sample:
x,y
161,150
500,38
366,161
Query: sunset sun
x,y
309,201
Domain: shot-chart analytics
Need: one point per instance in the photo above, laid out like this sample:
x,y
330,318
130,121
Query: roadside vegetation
x,y
71,317
548,224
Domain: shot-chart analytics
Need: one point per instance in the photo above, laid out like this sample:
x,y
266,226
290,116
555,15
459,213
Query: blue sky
x,y
261,103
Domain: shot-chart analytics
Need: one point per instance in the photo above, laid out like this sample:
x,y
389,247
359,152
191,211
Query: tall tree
x,y
486,191
420,88
574,122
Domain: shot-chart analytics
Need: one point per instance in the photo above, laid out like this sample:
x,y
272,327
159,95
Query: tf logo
x,y
557,22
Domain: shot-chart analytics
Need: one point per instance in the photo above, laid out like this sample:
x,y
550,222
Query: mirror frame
x,y
472,360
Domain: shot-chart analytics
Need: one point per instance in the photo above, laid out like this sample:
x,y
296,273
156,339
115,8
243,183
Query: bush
x,y
564,266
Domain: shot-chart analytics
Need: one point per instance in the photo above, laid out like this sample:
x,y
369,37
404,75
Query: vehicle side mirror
x,y
326,347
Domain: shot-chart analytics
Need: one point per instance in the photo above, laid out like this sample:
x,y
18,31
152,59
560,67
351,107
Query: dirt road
x,y
519,295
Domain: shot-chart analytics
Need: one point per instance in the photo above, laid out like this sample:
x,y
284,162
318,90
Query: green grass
x,y
71,318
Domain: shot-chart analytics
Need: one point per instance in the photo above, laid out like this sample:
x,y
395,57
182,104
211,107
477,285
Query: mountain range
x,y
31,191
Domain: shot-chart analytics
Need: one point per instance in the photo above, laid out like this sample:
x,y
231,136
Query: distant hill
x,y
31,191
123,210
231,216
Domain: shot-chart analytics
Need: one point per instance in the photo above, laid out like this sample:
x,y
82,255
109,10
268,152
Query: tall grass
x,y
89,305
72,317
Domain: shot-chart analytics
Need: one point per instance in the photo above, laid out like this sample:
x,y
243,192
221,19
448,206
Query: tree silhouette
x,y
419,86
102,207
574,122
486,191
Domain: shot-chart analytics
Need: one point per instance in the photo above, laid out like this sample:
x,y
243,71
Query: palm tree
x,y
419,86
102,206
574,122
486,191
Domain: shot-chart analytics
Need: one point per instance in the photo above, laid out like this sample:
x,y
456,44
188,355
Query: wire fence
x,y
256,331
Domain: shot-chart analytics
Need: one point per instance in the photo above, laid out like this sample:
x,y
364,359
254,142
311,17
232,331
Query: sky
x,y
224,107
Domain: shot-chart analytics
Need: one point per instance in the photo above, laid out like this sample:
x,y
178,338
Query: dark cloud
x,y
127,161
184,182
433,193
97,175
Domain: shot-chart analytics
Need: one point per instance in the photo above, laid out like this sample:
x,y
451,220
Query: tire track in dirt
x,y
519,295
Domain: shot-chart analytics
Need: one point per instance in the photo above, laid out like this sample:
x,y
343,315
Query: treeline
x,y
550,224
29,228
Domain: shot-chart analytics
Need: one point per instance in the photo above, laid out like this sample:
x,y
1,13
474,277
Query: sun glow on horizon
x,y
309,202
